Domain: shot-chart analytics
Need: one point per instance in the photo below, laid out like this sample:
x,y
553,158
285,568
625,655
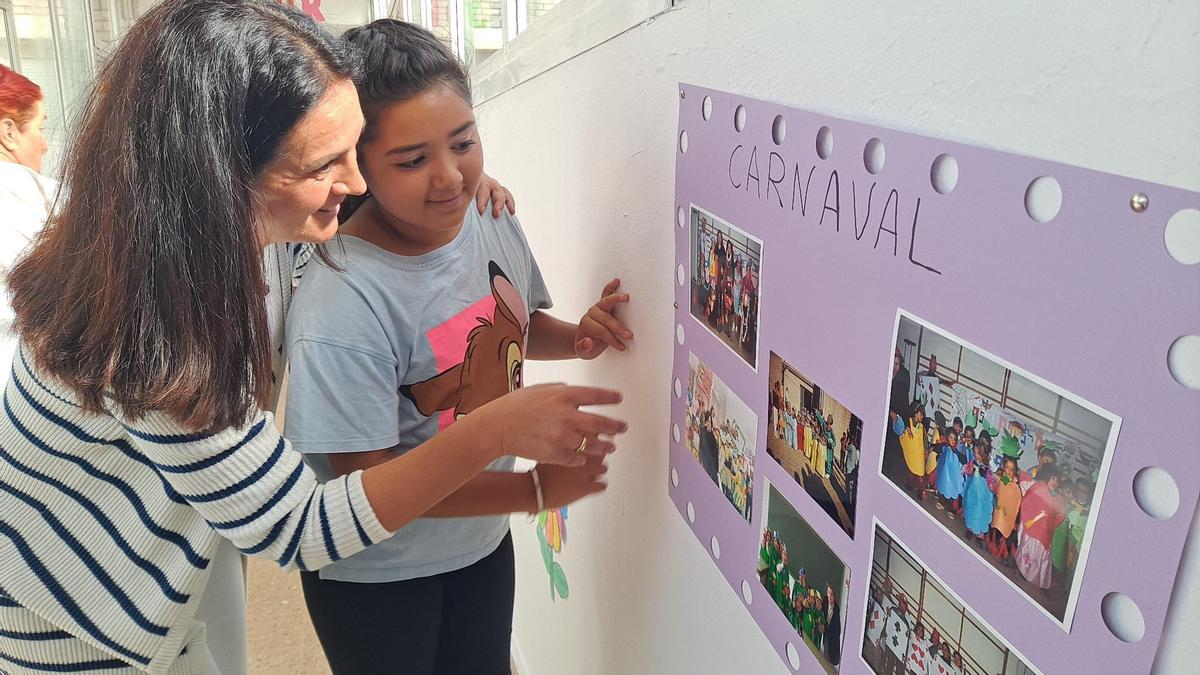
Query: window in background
x,y
473,29
7,56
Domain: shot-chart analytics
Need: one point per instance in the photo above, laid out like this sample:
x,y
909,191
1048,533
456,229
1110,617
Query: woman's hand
x,y
599,328
564,485
490,190
544,423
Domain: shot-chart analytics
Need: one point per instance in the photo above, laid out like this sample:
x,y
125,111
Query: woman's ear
x,y
9,130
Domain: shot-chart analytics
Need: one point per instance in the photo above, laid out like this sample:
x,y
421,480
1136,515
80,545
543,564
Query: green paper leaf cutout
x,y
1010,446
547,554
559,578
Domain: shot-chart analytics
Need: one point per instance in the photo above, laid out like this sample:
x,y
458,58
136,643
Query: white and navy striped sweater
x,y
107,527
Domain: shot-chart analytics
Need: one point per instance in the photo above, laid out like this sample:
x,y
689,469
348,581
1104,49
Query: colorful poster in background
x,y
929,393
848,235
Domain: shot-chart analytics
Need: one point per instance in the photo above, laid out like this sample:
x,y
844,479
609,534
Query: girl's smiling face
x,y
423,163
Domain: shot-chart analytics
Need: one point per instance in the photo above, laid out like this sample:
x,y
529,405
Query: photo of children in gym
x,y
726,278
804,578
1011,466
915,625
722,432
815,439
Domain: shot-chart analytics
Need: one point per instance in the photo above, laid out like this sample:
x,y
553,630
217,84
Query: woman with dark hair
x,y
134,439
25,194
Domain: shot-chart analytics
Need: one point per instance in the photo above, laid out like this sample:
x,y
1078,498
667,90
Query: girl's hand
x,y
599,329
491,190
544,423
564,485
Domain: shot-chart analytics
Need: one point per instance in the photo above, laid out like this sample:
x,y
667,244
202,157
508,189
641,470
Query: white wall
x,y
588,148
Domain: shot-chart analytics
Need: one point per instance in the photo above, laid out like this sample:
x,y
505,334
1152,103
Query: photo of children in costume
x,y
804,578
816,439
1013,480
725,282
721,434
915,625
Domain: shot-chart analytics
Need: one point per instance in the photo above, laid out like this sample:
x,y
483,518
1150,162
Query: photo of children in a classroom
x,y
1008,465
816,439
915,625
726,278
804,578
722,432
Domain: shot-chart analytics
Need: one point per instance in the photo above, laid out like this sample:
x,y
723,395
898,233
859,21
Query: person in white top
x,y
25,194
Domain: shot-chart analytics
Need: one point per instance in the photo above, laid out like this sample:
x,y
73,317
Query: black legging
x,y
451,623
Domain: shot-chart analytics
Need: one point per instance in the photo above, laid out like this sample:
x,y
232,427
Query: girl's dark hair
x,y
1045,473
400,60
147,286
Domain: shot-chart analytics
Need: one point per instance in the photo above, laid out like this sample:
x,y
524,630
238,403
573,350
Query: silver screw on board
x,y
1139,202
682,94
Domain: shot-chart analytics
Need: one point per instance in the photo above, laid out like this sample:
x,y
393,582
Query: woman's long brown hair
x,y
147,285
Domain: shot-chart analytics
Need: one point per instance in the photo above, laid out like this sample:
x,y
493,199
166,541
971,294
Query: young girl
x,y
912,443
1002,537
431,316
1042,511
978,500
950,477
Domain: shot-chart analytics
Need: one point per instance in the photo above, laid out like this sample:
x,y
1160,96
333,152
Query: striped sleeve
x,y
255,490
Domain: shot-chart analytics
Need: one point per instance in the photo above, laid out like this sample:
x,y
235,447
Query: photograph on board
x,y
1011,466
804,578
721,434
815,439
726,278
915,624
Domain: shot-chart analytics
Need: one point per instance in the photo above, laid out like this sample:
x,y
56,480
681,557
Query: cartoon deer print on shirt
x,y
493,361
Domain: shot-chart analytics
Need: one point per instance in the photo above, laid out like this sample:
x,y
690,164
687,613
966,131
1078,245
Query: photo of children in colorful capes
x,y
1010,465
816,439
804,578
915,625
725,282
722,432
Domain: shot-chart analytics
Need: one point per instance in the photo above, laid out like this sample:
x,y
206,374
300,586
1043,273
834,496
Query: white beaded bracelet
x,y
537,488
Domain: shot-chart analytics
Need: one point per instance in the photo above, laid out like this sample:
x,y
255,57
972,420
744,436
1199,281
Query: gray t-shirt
x,y
393,348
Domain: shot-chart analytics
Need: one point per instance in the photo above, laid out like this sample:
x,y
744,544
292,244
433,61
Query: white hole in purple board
x,y
678,388
691,511
778,129
943,175
1122,617
716,547
873,156
739,118
1183,360
1156,492
793,656
1043,199
746,594
675,432
824,142
679,217
674,477
679,333
1183,236
681,275
683,141
706,108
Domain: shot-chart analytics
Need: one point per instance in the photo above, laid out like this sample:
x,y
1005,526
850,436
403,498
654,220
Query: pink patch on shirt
x,y
449,342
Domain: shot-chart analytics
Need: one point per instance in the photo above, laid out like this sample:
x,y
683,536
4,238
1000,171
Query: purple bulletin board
x,y
810,251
